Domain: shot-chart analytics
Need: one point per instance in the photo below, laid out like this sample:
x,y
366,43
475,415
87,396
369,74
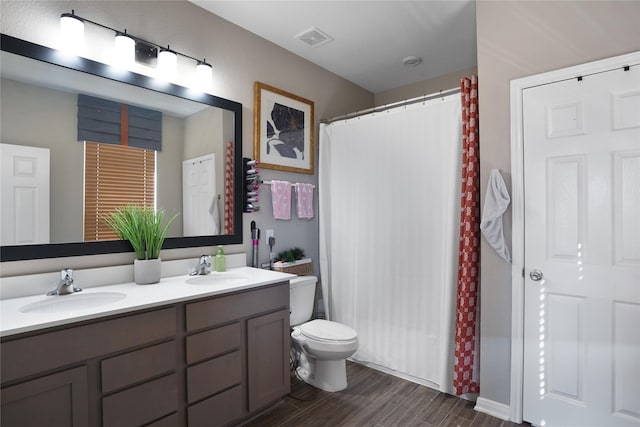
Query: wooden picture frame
x,y
283,130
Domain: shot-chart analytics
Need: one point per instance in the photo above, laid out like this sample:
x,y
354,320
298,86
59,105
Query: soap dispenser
x,y
220,262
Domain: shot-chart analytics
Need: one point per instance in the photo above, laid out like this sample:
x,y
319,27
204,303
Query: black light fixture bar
x,y
135,38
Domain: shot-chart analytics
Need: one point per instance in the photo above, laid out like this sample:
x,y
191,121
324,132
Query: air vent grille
x,y
314,37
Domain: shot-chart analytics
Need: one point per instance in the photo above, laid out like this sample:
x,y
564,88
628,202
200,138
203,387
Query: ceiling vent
x,y
314,37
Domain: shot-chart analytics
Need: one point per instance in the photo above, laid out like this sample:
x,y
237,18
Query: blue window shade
x,y
99,121
145,128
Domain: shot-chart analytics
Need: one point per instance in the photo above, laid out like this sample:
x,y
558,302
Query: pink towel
x,y
281,198
304,194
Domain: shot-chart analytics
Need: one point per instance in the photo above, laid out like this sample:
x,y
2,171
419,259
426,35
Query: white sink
x,y
73,302
225,278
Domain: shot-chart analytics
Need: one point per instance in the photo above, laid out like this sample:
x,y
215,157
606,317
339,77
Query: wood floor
x,y
373,399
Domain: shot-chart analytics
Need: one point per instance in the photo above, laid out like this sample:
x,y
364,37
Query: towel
x,y
304,196
281,199
214,212
495,204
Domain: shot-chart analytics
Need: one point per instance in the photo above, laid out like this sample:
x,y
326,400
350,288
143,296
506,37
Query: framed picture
x,y
283,130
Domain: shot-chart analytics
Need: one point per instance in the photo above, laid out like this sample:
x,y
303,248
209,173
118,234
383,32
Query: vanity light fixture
x,y
130,49
71,33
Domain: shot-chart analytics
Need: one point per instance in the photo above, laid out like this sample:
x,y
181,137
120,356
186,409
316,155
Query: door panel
x,y
200,215
24,191
626,358
582,216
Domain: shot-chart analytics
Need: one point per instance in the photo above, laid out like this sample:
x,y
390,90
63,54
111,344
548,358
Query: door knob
x,y
536,275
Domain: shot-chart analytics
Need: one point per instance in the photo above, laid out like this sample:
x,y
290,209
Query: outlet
x,y
269,233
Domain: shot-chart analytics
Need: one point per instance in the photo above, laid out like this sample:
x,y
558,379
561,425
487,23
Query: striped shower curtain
x,y
389,184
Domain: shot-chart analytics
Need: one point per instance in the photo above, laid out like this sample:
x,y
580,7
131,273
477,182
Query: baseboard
x,y
495,409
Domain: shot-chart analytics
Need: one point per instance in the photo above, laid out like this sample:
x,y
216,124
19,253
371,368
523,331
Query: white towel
x,y
214,212
281,199
495,204
304,193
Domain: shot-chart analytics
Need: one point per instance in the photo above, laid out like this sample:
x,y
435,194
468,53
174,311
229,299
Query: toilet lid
x,y
326,330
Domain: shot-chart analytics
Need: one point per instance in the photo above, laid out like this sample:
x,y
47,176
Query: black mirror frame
x,y
56,250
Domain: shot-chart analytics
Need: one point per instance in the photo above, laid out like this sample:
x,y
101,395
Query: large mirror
x,y
196,168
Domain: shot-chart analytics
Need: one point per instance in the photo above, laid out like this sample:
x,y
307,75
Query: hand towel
x,y
281,199
495,204
214,212
304,196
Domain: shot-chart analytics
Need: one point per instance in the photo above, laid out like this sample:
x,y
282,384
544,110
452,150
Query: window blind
x,y
115,176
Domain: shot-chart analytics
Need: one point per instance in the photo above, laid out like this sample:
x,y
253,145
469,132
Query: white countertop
x,y
137,297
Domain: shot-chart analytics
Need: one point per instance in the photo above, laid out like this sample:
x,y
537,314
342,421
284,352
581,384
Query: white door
x,y
582,251
24,192
200,210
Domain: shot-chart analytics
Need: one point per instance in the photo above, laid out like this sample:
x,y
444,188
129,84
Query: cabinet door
x,y
54,400
268,344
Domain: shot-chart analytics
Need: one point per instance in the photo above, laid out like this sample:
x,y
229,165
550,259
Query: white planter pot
x,y
147,271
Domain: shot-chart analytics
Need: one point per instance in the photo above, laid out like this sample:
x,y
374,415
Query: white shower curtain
x,y
389,186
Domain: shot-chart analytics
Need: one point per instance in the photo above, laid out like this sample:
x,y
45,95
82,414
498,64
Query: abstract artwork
x,y
283,130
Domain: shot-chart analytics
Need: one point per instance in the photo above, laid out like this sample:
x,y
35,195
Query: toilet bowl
x,y
321,346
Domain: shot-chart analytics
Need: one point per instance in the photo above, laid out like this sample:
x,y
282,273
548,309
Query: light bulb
x,y
125,50
167,64
71,33
203,76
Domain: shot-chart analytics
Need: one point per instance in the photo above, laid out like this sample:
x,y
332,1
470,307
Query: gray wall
x,y
239,59
46,118
41,117
427,87
517,39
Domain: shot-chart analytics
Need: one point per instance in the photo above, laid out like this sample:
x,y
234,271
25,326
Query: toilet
x,y
321,346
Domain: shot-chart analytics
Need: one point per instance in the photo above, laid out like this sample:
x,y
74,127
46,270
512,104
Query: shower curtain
x,y
466,363
389,215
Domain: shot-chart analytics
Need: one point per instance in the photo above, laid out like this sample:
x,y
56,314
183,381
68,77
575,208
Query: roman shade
x,y
109,122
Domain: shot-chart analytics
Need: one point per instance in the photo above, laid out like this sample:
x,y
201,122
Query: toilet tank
x,y
302,291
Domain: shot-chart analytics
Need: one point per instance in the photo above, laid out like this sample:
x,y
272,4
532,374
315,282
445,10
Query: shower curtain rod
x,y
386,107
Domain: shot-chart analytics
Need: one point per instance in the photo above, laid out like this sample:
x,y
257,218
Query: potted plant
x,y
144,229
293,261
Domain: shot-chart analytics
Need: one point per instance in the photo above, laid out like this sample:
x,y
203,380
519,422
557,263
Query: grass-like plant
x,y
142,227
290,255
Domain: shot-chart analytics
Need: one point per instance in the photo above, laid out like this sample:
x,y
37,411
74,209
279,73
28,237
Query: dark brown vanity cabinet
x,y
58,399
268,358
208,362
236,354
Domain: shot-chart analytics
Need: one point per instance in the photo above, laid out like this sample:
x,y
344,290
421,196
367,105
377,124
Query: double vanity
x,y
191,350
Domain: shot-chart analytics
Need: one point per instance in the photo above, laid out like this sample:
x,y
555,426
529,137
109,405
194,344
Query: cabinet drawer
x,y
218,410
225,308
139,365
214,342
26,356
212,376
142,404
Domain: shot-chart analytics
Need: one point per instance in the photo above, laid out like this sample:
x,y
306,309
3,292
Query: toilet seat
x,y
328,331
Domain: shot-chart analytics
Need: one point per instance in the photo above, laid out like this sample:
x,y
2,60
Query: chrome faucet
x,y
202,269
65,287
